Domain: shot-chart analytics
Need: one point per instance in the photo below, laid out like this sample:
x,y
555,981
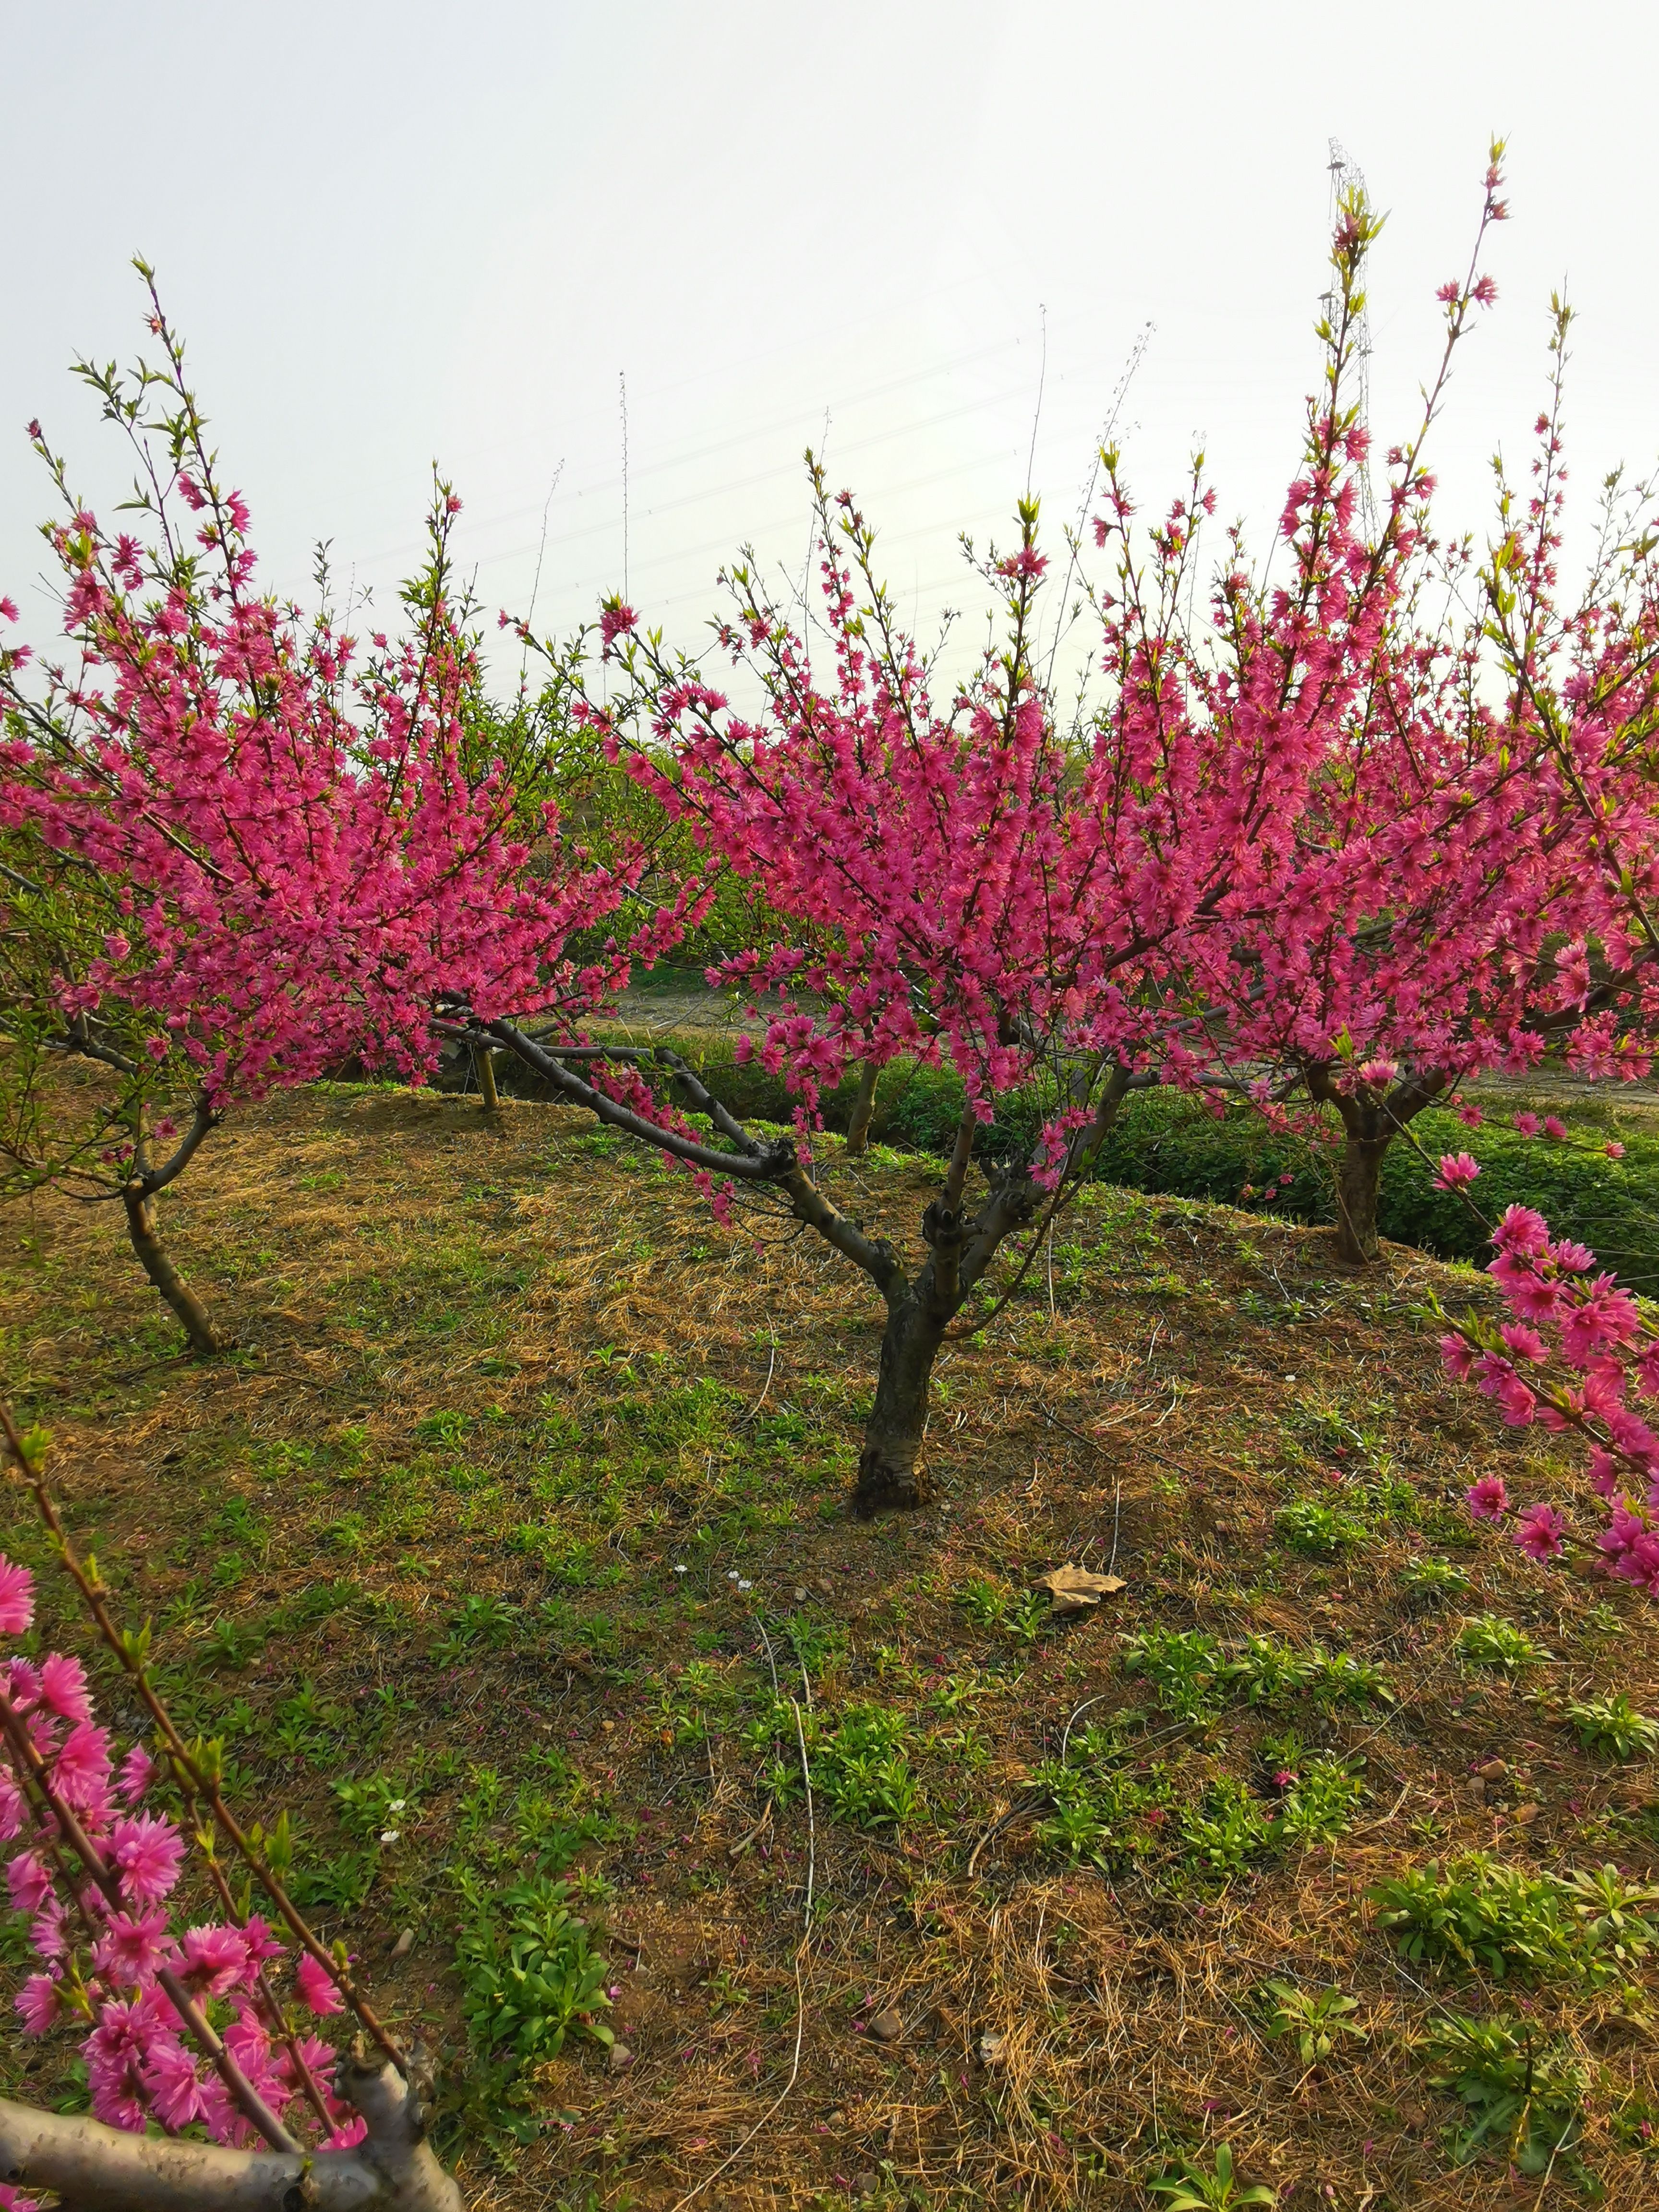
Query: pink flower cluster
x,y
1609,1353
95,1874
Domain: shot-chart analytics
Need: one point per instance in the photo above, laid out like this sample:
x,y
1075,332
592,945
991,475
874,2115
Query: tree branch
x,y
96,2168
769,1163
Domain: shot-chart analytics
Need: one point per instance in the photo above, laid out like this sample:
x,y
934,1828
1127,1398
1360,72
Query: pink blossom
x,y
82,1771
1488,1499
1457,1171
63,1686
16,1598
616,621
347,2135
1634,1437
1554,1127
1613,1149
1471,1116
1524,1343
1522,1231
175,2086
1538,1530
212,1959
317,1987
130,1947
1458,1355
1602,1316
1527,1124
14,1809
1604,1474
137,1772
29,1881
149,1851
39,2003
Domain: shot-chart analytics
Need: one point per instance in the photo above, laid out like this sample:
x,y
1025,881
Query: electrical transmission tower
x,y
1347,176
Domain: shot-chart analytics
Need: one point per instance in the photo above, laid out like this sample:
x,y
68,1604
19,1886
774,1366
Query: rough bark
x,y
1370,1124
139,1205
864,1106
1358,1180
94,2168
890,1474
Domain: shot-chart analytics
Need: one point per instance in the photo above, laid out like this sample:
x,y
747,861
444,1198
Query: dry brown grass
x,y
387,1258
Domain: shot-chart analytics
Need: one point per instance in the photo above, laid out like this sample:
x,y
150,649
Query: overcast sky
x,y
396,232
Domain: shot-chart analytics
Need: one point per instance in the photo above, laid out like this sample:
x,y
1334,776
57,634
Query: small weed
x,y
441,1428
1321,1802
1614,1727
373,1808
477,1620
1319,1532
1486,1639
1495,1919
231,1645
862,1768
1017,1613
1108,1820
1196,2189
1316,2017
530,1974
1434,1582
1229,1827
1524,2099
1184,1668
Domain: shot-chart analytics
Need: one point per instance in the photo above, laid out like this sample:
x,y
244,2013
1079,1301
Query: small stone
x,y
826,1586
1477,1789
800,1597
620,2058
1526,1814
867,2184
609,1727
1494,1771
404,1944
990,2048
888,2026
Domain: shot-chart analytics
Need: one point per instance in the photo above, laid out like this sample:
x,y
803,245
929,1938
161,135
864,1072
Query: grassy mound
x,y
509,1553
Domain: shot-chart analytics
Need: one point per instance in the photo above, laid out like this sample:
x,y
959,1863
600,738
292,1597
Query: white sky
x,y
398,232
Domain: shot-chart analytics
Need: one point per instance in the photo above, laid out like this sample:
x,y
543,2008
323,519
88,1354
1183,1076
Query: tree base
x,y
882,1487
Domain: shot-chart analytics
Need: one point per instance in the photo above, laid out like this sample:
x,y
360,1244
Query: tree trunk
x,y
890,1476
484,1060
140,1206
864,1105
1358,1182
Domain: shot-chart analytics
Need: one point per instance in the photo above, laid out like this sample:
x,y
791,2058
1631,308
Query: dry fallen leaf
x,y
1074,1589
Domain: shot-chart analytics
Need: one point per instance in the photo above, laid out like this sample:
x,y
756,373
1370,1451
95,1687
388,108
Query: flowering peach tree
x,y
240,847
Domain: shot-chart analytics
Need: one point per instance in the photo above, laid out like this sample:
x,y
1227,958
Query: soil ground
x,y
524,1478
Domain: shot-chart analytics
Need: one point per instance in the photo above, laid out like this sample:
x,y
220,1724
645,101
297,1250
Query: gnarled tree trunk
x,y
1370,1123
140,1207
